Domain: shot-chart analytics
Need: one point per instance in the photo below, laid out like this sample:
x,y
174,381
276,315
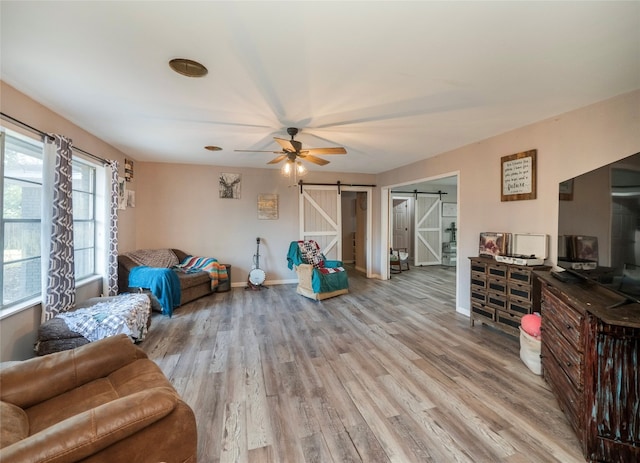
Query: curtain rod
x,y
338,184
44,134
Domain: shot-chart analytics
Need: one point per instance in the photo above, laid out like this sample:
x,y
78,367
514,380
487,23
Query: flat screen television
x,y
602,208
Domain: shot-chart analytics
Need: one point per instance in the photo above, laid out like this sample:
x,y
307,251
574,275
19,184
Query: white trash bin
x,y
530,352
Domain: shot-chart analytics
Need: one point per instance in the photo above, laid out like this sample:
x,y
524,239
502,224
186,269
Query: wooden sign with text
x,y
518,176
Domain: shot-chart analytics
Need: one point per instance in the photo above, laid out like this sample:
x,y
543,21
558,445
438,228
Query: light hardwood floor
x,y
387,373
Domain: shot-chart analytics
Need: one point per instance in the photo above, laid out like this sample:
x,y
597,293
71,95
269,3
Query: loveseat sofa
x,y
102,402
192,284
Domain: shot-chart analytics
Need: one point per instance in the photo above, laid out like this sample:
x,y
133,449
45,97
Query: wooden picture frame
x,y
566,190
518,176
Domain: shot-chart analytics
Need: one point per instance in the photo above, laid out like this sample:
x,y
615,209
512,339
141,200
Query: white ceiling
x,y
392,82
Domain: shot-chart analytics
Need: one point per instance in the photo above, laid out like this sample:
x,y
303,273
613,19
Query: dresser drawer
x,y
497,285
497,301
566,320
497,270
569,398
477,266
479,280
481,310
519,306
567,357
520,291
478,295
521,275
508,319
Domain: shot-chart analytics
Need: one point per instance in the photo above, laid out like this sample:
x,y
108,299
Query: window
x,y
21,227
22,172
84,218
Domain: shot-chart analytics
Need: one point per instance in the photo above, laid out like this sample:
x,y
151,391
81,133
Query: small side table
x,y
225,285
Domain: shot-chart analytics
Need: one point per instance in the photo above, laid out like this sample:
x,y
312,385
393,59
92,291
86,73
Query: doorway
x,y
322,219
354,229
402,223
427,212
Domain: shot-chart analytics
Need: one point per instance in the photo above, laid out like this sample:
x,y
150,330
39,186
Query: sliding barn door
x,y
321,219
428,230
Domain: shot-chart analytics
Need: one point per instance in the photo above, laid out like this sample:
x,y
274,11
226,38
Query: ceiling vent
x,y
188,68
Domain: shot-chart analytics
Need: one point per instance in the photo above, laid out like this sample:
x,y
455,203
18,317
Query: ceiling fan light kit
x,y
290,166
293,153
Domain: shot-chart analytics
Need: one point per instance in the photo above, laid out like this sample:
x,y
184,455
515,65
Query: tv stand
x,y
589,358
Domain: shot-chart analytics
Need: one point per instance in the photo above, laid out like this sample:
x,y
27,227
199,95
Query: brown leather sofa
x,y
102,402
192,285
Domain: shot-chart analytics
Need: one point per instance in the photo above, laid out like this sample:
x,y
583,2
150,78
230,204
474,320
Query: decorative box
x,y
494,244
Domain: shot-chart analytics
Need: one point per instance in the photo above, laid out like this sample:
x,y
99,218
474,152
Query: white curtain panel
x,y
58,285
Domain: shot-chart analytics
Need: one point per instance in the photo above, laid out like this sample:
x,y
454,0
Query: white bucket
x,y
530,352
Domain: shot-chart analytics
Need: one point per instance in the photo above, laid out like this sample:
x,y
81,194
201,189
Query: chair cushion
x,y
136,376
15,424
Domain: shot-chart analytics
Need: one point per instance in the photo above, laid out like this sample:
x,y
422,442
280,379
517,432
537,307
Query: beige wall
x,y
568,145
178,205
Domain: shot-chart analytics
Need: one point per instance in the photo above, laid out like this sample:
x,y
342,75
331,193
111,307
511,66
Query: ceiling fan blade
x,y
277,159
289,145
258,151
315,160
336,150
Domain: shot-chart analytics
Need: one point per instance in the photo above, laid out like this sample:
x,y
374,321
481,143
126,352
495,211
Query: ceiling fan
x,y
292,149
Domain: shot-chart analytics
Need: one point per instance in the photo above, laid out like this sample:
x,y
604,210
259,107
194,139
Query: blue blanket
x,y
162,282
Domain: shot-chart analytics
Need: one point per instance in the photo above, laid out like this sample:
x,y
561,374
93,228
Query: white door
x,y
428,230
401,236
321,219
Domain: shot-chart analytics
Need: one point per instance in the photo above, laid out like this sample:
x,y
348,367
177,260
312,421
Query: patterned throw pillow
x,y
311,253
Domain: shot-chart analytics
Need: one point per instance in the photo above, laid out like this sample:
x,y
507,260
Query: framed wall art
x,y
128,169
122,193
131,198
229,185
267,207
518,176
449,209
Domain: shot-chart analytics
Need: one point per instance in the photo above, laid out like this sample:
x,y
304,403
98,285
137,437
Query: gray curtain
x,y
59,285
112,244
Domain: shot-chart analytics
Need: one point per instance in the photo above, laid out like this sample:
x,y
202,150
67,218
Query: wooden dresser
x,y
502,293
590,357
